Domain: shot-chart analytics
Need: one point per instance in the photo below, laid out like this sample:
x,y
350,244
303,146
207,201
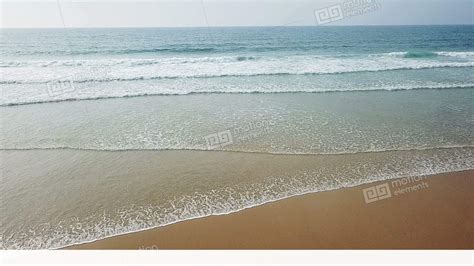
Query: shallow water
x,y
55,198
290,123
130,129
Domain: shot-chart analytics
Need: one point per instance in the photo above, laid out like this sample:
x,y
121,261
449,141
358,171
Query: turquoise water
x,y
103,63
110,131
432,63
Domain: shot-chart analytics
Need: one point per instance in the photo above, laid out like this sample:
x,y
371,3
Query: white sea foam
x,y
457,54
31,94
231,199
168,68
206,59
24,82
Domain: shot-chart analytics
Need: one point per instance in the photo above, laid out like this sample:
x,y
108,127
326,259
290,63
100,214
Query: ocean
x,y
110,131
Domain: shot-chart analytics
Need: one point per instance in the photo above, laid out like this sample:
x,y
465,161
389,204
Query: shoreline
x,y
199,232
173,186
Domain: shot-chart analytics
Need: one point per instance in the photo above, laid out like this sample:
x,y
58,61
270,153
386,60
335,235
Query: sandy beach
x,y
434,212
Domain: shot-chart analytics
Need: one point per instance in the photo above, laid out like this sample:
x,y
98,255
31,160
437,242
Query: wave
x,y
76,78
220,59
182,93
209,48
174,50
124,51
420,55
429,54
126,61
457,54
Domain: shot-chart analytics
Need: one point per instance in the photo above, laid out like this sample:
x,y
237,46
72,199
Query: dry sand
x,y
439,214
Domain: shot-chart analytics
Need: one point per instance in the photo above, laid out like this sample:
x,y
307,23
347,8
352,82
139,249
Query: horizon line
x,y
236,26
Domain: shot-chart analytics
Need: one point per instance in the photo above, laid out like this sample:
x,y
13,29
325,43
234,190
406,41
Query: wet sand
x,y
434,212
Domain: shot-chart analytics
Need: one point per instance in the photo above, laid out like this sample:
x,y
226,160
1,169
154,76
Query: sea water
x,y
109,131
